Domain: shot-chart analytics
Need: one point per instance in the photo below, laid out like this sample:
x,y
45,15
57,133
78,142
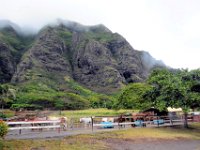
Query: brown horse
x,y
121,119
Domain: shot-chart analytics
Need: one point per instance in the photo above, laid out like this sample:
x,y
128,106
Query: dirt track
x,y
149,144
119,144
38,134
27,134
113,144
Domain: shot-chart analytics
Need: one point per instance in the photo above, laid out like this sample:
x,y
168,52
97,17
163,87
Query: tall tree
x,y
132,97
174,89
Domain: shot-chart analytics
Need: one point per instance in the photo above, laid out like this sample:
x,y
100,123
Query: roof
x,y
170,109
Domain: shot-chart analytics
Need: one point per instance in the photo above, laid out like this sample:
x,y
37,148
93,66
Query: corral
x,y
57,125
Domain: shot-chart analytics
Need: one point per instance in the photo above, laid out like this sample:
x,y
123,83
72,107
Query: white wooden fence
x,y
165,123
56,124
25,125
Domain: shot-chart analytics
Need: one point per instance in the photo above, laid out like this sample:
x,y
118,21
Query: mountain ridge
x,y
93,56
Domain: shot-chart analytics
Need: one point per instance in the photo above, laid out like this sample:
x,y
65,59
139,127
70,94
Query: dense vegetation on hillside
x,y
67,66
39,96
163,88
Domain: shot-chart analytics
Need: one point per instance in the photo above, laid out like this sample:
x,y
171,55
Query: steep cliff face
x,y
45,59
7,65
11,49
91,55
105,61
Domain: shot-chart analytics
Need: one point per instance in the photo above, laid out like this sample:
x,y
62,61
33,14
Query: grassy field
x,y
100,141
92,112
81,113
8,113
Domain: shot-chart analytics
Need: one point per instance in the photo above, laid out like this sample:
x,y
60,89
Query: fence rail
x,y
36,127
32,122
96,122
144,122
25,125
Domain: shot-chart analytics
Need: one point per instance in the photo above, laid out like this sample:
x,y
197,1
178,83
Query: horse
x,y
109,119
121,119
87,121
63,123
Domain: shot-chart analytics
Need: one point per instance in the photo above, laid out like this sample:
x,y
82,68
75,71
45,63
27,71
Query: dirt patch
x,y
153,144
38,148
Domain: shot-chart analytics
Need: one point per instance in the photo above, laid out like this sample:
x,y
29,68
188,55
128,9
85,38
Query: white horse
x,y
110,119
87,121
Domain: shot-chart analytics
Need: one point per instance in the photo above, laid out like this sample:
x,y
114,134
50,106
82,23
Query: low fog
x,y
28,30
150,62
24,31
166,29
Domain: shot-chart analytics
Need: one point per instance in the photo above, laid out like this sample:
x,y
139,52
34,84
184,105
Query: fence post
x,y
92,123
58,130
171,122
158,121
20,131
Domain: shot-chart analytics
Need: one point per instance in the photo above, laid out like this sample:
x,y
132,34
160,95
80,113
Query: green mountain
x,y
69,58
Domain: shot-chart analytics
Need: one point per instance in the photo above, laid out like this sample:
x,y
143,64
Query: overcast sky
x,y
168,29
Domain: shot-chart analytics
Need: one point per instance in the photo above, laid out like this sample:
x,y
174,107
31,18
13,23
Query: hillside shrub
x,y
2,115
3,129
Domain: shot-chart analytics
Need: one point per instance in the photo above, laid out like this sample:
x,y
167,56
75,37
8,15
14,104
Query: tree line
x,y
164,88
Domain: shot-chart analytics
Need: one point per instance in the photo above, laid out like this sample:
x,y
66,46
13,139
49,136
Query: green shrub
x,y
3,129
2,115
75,101
25,106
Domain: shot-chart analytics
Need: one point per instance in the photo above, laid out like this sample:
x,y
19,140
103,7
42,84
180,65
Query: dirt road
x,y
113,143
149,144
28,134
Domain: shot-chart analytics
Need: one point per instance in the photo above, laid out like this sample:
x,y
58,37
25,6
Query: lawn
x,y
101,141
8,113
92,112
